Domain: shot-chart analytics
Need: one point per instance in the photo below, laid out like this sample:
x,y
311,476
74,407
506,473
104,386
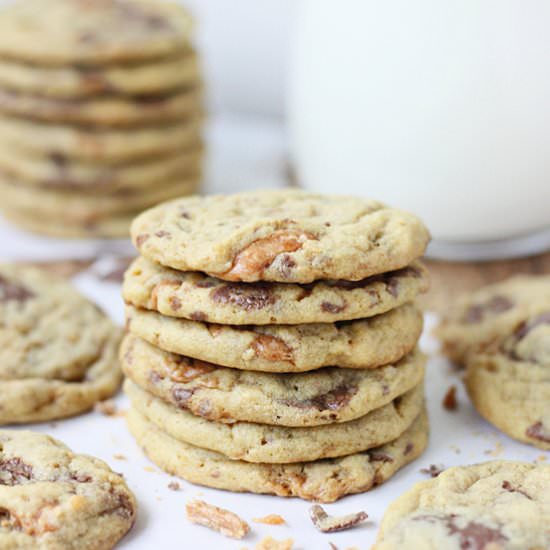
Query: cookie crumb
x,y
433,470
149,469
330,524
455,449
106,408
271,519
119,456
497,451
225,522
449,401
541,458
174,486
333,546
270,543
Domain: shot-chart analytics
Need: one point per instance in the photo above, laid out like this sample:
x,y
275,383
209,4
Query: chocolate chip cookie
x,y
227,395
323,480
253,442
508,380
105,145
492,506
363,343
104,111
73,206
283,236
483,315
57,172
152,77
90,32
196,296
58,351
52,498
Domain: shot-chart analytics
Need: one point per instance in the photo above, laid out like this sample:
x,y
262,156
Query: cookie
x,y
323,480
104,111
112,227
105,145
286,236
509,380
86,208
497,505
228,395
73,32
57,172
364,343
280,444
52,498
70,81
190,294
58,353
479,317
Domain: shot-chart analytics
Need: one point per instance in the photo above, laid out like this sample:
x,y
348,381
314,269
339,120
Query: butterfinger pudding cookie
x,y
479,317
284,236
52,498
58,353
69,81
68,32
280,444
493,506
193,295
323,480
362,344
509,380
222,394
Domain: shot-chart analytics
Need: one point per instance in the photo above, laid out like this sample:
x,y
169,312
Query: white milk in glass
x,y
442,108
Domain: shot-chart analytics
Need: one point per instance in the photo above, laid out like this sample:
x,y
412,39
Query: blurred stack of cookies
x,y
100,112
271,341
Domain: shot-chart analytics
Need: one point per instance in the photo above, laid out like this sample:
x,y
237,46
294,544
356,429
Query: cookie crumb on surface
x,y
329,524
271,519
497,451
433,470
225,522
119,456
449,401
270,543
107,407
174,486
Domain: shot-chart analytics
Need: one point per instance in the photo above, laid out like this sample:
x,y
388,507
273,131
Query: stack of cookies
x,y
100,112
271,341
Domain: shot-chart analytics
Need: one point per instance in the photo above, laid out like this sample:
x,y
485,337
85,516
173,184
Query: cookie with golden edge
x,y
362,343
194,295
321,480
228,395
286,236
500,505
51,497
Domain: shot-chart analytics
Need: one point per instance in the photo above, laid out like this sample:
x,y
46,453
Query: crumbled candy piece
x,y
225,522
329,524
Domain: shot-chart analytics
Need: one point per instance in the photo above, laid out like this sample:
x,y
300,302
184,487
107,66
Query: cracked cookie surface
x,y
283,236
57,349
195,296
227,395
52,498
496,505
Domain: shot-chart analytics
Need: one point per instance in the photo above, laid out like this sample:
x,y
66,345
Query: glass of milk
x,y
441,108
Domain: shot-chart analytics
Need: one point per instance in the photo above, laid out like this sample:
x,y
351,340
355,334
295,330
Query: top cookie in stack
x,y
315,291
100,106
